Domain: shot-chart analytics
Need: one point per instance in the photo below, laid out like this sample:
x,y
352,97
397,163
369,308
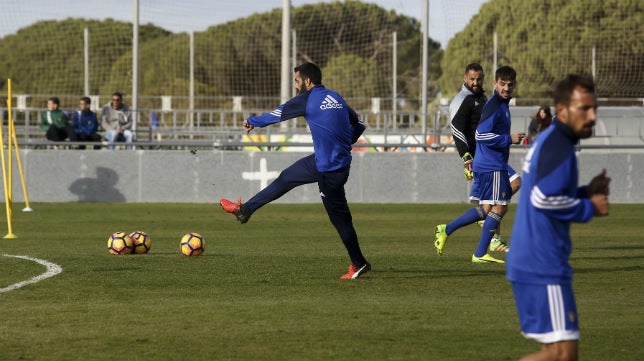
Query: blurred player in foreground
x,y
491,188
538,264
334,128
465,114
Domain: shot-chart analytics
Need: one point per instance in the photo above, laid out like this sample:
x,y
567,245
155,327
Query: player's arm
x,y
293,108
357,123
461,125
485,134
264,119
550,193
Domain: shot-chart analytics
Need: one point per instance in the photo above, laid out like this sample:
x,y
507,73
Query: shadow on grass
x,y
439,273
579,270
613,247
616,258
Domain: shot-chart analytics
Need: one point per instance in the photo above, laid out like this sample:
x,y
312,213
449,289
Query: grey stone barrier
x,y
205,176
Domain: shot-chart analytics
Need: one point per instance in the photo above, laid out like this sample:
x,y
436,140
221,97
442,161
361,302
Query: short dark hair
x,y
86,100
311,71
567,85
118,94
505,73
473,67
54,100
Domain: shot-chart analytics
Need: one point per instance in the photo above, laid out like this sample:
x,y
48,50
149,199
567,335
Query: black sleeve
x,y
462,128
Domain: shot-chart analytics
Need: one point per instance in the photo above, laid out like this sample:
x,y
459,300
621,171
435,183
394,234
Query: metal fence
x,y
160,128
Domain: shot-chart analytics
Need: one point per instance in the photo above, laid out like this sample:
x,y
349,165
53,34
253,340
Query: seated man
x,y
116,119
54,122
85,124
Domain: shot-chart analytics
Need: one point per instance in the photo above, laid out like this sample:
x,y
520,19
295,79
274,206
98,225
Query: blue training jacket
x,y
334,125
85,122
492,136
550,200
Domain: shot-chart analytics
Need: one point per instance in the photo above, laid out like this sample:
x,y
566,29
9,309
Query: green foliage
x,y
269,289
352,75
47,57
241,57
546,39
542,39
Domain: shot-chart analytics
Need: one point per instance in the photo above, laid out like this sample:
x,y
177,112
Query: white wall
x,y
206,176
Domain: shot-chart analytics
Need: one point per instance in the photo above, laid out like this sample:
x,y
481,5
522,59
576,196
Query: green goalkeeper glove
x,y
467,166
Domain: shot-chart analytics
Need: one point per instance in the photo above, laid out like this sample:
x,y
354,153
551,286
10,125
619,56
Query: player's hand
x,y
248,126
467,166
516,137
599,184
600,202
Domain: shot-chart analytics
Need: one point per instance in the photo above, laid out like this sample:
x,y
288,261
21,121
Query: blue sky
x,y
447,17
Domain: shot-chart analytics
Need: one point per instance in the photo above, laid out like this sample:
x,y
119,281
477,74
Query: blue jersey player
x,y
334,128
491,188
465,115
538,264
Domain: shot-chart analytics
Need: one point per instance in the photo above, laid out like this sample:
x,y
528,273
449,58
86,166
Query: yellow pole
x,y
7,195
22,175
9,143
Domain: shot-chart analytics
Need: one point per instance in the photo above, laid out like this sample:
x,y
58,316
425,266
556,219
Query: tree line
x,y
542,39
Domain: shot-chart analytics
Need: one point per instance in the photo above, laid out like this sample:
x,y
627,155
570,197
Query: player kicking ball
x,y
334,128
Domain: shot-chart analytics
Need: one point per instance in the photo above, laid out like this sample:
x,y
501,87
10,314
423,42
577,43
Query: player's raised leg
x,y
301,172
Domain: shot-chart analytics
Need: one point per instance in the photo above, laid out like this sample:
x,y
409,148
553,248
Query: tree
x,y
545,39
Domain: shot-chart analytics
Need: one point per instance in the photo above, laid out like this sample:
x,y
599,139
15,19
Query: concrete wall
x,y
206,176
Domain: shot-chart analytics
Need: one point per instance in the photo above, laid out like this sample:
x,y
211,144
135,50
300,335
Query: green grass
x,y
269,289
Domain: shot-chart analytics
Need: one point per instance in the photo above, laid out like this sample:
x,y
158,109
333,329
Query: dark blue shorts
x,y
547,313
491,188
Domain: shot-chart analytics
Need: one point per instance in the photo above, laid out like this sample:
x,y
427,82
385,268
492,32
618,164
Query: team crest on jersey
x,y
329,102
572,317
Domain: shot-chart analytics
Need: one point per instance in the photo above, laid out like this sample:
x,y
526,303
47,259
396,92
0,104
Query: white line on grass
x,y
52,270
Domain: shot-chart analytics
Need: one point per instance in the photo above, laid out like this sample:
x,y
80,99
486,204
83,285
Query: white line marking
x,y
52,270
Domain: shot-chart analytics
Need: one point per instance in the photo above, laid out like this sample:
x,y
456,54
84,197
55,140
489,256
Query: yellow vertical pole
x,y
9,143
22,175
7,192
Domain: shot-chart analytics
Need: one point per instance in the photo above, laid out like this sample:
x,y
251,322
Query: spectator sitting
x,y
54,122
116,119
85,124
539,123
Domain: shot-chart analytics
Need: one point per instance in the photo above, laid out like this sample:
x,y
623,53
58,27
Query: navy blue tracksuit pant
x,y
331,185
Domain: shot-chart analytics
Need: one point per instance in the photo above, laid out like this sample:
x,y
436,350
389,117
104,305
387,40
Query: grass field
x,y
269,289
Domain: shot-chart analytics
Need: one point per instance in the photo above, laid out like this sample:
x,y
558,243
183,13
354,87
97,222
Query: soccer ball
x,y
140,242
192,244
119,243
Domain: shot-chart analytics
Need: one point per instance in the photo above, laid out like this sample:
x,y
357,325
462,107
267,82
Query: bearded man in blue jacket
x,y
538,263
334,128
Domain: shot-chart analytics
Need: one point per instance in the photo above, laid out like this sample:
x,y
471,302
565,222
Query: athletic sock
x,y
470,216
490,226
